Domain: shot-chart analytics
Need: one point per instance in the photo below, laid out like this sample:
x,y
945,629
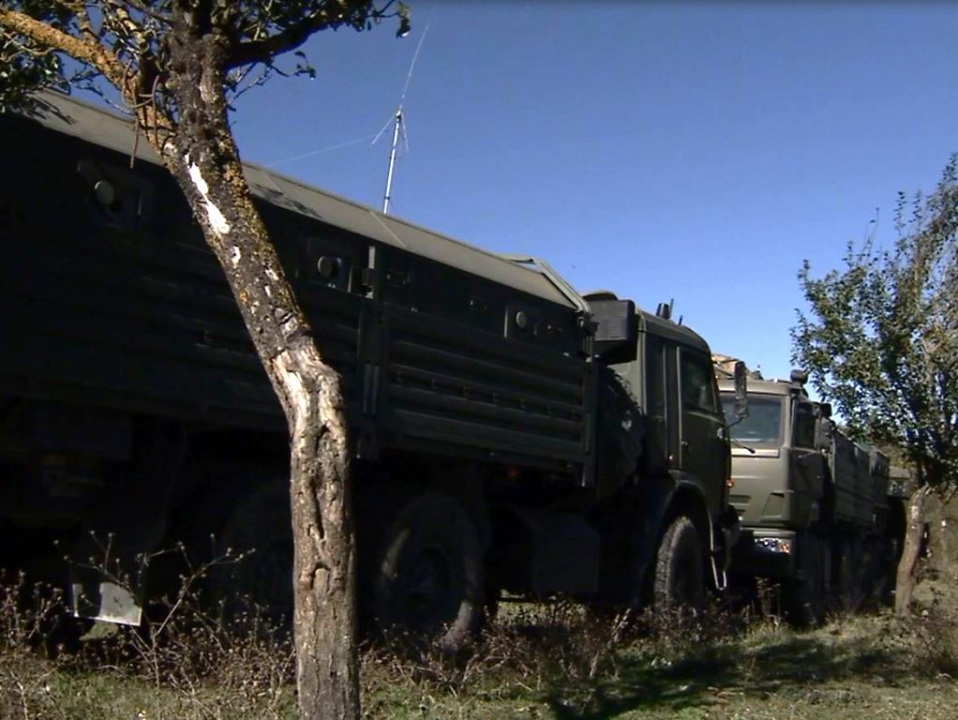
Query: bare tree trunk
x,y
327,665
202,156
908,565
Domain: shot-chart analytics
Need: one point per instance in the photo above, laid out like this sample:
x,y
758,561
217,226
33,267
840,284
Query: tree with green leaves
x,y
176,65
881,342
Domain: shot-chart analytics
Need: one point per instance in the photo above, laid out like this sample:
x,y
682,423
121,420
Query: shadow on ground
x,y
799,662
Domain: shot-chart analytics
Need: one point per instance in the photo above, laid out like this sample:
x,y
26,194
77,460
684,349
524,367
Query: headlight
x,y
775,545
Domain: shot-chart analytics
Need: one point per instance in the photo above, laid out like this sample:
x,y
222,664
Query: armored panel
x,y
451,385
879,466
110,298
74,118
844,471
864,497
120,305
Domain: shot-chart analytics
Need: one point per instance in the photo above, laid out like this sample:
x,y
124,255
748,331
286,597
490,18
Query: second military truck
x,y
816,512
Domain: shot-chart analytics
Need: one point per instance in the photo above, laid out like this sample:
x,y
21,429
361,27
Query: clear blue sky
x,y
695,151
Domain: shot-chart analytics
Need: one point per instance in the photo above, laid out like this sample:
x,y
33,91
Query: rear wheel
x,y
427,577
893,550
851,575
258,574
680,568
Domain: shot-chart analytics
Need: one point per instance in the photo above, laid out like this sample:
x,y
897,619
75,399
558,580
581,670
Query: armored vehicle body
x,y
508,432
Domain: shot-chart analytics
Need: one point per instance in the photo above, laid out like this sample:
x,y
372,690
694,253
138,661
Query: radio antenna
x,y
398,126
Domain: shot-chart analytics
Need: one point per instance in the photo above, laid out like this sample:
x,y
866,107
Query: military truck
x,y
816,511
509,433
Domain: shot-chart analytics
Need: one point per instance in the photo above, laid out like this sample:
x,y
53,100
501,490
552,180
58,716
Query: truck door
x,y
704,452
806,464
662,430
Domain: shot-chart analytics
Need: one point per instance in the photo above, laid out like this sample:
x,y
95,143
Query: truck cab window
x,y
656,402
655,379
763,423
697,383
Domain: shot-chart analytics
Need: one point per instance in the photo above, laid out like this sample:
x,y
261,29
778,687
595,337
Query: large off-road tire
x,y
892,556
256,540
44,609
828,576
425,582
679,581
873,581
804,597
851,574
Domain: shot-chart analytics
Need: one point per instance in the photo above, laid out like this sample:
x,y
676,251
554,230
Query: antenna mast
x,y
398,126
392,159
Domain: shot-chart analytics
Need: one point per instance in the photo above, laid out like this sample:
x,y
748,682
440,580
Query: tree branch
x,y
83,20
327,15
47,36
261,51
165,18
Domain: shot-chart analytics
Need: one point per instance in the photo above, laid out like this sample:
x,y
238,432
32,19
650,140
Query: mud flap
x,y
109,561
730,532
107,601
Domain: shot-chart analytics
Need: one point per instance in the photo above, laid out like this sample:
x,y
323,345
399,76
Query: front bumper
x,y
761,552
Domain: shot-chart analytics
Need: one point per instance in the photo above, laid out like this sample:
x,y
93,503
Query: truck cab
x,y
685,458
673,380
779,476
812,503
777,470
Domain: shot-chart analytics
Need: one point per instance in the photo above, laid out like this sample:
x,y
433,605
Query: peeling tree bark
x,y
203,158
324,566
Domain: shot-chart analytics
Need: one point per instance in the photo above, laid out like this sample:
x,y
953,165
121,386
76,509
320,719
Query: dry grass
x,y
545,661
188,665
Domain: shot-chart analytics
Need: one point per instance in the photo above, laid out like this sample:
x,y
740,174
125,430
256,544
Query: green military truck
x,y
817,513
509,434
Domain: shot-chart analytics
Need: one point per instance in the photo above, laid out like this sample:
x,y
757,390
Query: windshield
x,y
764,421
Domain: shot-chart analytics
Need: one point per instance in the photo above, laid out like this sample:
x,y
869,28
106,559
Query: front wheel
x,y
257,575
427,578
680,568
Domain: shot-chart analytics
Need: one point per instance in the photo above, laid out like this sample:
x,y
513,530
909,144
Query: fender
x,y
680,493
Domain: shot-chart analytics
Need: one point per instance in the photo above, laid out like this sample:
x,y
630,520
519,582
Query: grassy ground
x,y
546,662
864,667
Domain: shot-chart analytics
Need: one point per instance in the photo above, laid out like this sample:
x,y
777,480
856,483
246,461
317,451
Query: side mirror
x,y
825,409
617,330
798,376
741,390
